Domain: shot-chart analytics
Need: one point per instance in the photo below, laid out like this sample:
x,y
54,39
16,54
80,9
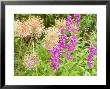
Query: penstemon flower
x,y
77,21
69,22
67,43
90,64
69,57
55,57
90,56
54,66
92,50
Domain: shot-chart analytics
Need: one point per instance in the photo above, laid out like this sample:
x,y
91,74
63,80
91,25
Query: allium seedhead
x,y
22,29
51,38
30,61
17,25
60,23
33,25
35,22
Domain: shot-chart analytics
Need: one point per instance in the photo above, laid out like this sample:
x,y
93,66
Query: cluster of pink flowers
x,y
67,41
90,56
77,20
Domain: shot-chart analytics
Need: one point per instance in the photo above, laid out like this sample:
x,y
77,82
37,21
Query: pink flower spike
x,y
90,64
89,57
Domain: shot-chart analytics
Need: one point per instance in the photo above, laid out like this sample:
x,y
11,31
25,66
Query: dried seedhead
x,y
30,61
22,29
51,37
33,25
60,23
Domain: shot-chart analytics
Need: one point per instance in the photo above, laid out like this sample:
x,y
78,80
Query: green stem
x,y
29,44
33,48
20,47
90,71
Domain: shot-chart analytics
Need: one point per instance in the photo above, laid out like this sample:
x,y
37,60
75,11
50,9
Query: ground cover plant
x,y
55,45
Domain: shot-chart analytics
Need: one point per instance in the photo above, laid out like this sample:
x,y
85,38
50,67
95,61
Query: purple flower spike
x,y
75,36
60,53
78,19
78,29
92,50
54,66
78,22
69,57
69,30
62,30
71,48
72,30
74,40
90,64
66,52
90,57
67,41
69,21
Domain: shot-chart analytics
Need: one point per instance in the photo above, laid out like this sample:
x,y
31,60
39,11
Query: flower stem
x,y
20,48
33,48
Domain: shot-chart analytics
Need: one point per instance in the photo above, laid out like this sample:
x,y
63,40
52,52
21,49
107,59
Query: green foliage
x,y
88,23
